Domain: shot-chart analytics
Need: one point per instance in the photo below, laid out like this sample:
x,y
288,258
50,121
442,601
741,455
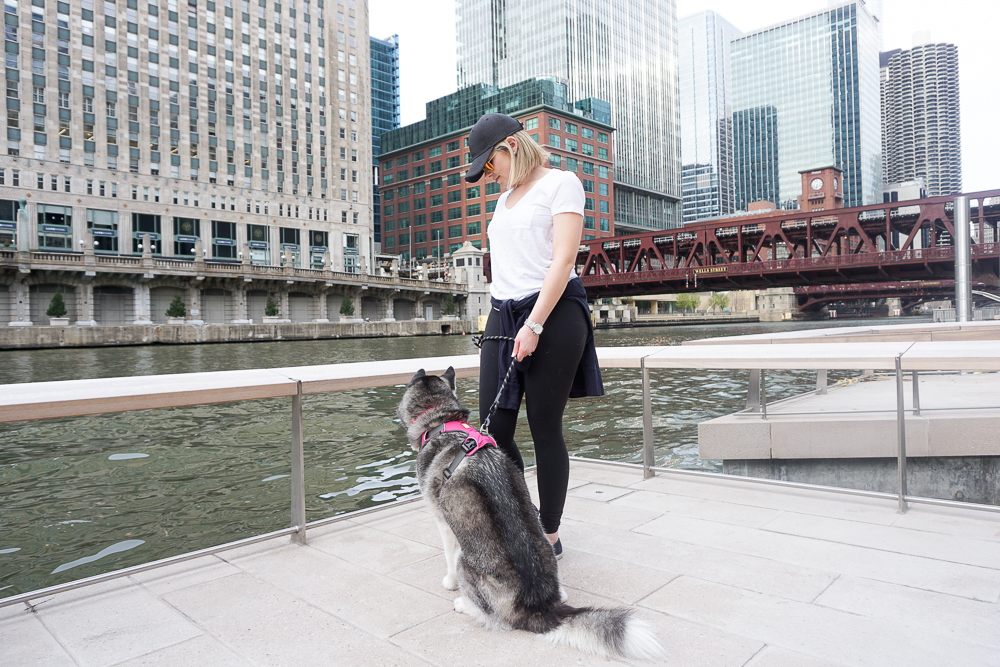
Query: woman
x,y
538,300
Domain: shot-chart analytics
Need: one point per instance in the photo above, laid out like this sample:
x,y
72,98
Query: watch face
x,y
816,184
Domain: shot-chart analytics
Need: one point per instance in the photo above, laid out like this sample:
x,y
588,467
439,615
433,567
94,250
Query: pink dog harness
x,y
474,441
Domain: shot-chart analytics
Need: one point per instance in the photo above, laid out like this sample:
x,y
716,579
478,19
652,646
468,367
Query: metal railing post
x,y
763,394
821,382
298,470
916,393
753,391
901,428
963,259
647,424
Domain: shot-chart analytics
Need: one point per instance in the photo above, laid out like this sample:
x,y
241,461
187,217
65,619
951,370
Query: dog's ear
x,y
418,375
449,377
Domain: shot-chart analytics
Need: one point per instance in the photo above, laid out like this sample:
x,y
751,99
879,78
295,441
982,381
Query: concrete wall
x,y
100,336
967,478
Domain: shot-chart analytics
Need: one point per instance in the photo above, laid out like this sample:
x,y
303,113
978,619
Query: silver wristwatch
x,y
535,327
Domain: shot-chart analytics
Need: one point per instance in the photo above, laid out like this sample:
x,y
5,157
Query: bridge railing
x,y
937,253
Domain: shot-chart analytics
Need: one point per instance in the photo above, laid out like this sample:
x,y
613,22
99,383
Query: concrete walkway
x,y
729,573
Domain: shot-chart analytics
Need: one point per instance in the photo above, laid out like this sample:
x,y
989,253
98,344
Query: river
x,y
93,494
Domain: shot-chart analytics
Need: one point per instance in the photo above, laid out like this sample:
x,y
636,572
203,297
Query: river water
x,y
88,495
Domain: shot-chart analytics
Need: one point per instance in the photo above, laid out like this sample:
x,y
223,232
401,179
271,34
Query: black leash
x,y
478,342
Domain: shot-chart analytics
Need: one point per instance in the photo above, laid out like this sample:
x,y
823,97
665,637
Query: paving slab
x,y
114,626
928,574
380,605
649,503
728,573
895,539
272,627
757,573
811,629
181,575
198,651
967,620
374,549
27,642
772,656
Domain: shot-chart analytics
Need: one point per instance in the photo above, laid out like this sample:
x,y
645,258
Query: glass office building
x,y
806,95
385,110
706,115
622,52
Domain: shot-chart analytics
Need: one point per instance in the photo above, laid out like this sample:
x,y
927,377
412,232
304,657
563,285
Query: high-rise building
x,y
621,52
806,95
921,131
428,208
706,115
385,111
223,125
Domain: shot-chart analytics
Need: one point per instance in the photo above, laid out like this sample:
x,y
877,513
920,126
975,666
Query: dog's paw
x,y
450,582
461,605
563,596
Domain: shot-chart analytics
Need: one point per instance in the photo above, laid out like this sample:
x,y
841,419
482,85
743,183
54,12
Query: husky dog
x,y
496,551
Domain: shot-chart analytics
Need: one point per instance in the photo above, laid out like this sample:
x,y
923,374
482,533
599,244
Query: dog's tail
x,y
611,633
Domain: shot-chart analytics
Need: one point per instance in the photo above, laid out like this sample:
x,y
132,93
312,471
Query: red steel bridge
x,y
899,249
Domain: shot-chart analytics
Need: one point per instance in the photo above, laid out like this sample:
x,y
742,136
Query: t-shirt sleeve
x,y
567,197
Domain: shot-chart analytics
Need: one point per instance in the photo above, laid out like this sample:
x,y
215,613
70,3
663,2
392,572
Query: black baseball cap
x,y
488,131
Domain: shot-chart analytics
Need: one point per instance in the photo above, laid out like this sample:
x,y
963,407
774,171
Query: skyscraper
x,y
220,123
921,132
706,115
806,95
622,52
385,110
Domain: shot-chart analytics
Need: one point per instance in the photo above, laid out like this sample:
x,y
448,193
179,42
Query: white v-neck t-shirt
x,y
521,236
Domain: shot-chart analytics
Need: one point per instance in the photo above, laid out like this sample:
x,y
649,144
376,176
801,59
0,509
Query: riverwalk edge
x,y
27,338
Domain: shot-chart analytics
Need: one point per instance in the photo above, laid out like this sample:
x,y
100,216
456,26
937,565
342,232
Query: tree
x,y
719,301
688,301
57,307
347,306
176,308
270,308
449,305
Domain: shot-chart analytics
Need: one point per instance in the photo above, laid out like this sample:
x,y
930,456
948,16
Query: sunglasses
x,y
488,166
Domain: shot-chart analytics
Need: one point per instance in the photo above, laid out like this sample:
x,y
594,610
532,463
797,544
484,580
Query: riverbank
x,y
41,337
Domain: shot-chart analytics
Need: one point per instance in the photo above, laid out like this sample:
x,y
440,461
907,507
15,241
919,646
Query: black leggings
x,y
545,388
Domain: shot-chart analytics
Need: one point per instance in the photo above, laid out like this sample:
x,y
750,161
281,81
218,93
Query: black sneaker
x,y
557,548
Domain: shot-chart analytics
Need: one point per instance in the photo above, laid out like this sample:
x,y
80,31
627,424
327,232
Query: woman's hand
x,y
524,343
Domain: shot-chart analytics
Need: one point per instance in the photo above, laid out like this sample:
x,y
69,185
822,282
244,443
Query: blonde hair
x,y
529,155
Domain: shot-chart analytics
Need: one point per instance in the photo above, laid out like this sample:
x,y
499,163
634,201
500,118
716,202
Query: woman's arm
x,y
566,234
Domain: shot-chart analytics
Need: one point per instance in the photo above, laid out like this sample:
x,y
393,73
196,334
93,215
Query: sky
x,y
426,32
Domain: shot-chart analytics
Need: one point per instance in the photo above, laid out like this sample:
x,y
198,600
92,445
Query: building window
x,y
531,123
473,228
187,231
223,239
55,227
555,141
104,227
143,224
554,123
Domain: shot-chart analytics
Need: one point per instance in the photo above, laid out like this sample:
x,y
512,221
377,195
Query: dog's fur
x,y
494,545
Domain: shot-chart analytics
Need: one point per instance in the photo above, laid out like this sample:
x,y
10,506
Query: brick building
x,y
429,211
